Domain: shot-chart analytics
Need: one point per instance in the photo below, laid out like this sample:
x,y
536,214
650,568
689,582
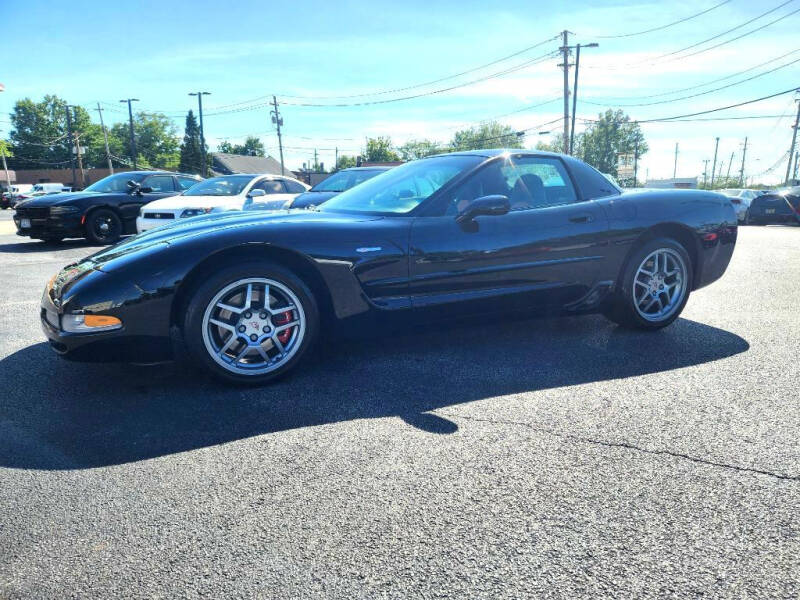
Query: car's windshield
x,y
344,180
229,185
403,188
115,183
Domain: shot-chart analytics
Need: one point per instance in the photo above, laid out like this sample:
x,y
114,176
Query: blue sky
x,y
243,51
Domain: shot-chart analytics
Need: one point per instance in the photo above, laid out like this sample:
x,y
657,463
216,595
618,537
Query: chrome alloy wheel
x,y
253,326
660,284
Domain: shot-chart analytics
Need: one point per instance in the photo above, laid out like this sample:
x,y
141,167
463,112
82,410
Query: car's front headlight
x,y
195,212
63,210
87,323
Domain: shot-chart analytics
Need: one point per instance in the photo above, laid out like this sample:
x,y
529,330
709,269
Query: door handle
x,y
581,218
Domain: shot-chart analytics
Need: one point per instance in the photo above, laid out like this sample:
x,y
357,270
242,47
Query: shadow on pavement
x,y
60,415
39,246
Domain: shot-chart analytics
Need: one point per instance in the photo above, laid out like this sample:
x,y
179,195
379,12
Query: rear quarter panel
x,y
705,222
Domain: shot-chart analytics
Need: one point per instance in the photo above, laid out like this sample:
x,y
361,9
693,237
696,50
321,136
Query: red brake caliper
x,y
282,319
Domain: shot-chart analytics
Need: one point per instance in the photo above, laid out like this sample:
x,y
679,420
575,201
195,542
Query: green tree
x,y
379,149
414,149
157,144
252,147
486,135
345,162
612,134
191,157
39,138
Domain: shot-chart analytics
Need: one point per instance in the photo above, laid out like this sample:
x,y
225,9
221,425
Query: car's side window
x,y
293,186
528,182
159,183
186,182
271,186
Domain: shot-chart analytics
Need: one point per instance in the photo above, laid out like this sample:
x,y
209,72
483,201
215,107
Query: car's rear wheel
x,y
655,286
250,323
103,226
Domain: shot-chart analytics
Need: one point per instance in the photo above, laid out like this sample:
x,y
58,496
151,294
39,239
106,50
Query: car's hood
x,y
184,229
60,198
312,199
173,202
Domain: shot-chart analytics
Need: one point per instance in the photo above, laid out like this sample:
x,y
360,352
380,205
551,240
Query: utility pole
x,y
675,167
336,159
575,93
794,139
796,158
5,166
565,55
316,164
80,159
69,145
278,120
714,164
705,171
741,171
105,139
635,161
130,123
728,174
202,134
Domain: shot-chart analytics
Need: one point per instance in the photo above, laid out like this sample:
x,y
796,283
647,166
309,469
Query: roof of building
x,y
228,164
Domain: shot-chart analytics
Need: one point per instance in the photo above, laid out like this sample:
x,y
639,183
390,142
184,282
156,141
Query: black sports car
x,y
245,294
337,183
782,206
102,212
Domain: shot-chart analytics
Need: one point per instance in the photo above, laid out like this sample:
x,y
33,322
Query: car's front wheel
x,y
250,323
103,226
654,287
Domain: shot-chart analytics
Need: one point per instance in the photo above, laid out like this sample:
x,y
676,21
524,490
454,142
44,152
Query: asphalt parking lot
x,y
557,457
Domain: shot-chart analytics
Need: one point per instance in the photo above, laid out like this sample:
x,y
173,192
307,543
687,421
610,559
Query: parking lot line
x,y
7,228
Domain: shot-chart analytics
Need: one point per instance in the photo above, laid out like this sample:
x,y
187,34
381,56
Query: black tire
x,y
622,308
103,227
202,296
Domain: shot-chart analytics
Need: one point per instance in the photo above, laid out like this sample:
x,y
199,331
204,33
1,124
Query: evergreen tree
x,y
191,152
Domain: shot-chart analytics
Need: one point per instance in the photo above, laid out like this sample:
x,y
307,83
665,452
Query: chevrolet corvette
x,y
244,295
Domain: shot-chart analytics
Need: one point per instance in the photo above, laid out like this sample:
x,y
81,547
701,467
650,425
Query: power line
x,y
513,69
735,83
689,18
705,112
673,55
700,85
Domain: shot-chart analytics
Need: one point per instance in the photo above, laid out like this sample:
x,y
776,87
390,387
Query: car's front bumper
x,y
118,345
49,227
143,224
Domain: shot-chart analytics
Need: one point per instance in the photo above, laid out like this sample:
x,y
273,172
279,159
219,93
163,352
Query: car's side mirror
x,y
495,204
256,193
145,190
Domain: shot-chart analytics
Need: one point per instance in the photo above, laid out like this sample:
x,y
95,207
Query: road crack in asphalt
x,y
626,445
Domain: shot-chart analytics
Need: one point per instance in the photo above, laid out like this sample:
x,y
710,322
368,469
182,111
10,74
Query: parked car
x,y
102,212
244,294
49,188
781,206
10,198
740,198
219,194
335,184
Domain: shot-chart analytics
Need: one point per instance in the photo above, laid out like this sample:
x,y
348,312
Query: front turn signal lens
x,y
101,321
85,323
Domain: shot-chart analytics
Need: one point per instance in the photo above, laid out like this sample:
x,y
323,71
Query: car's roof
x,y
492,152
375,168
158,173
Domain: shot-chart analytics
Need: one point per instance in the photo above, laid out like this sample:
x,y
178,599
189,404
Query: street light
x,y
130,123
202,135
575,91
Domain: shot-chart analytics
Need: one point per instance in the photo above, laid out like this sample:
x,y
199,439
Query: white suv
x,y
218,194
